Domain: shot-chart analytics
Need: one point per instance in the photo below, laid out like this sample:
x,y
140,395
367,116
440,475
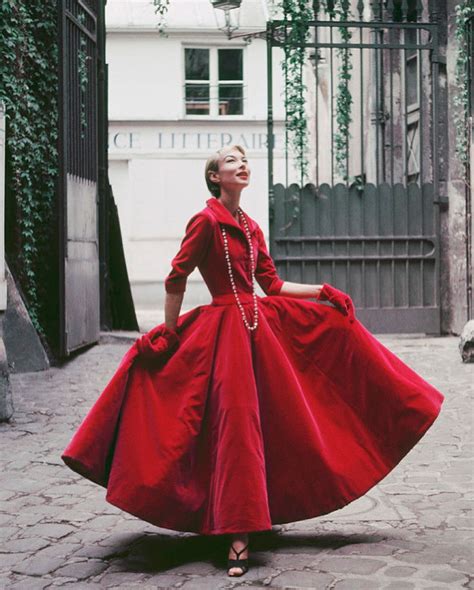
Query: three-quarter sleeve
x,y
265,272
192,250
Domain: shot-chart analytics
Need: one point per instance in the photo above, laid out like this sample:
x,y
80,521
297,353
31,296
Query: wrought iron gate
x,y
78,194
368,220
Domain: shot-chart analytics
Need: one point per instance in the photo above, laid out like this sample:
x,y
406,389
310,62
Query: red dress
x,y
239,429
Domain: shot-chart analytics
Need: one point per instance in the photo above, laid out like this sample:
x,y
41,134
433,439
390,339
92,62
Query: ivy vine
x,y
83,73
29,91
344,100
161,9
298,13
464,12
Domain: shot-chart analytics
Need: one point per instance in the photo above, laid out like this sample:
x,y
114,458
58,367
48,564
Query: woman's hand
x,y
156,346
339,299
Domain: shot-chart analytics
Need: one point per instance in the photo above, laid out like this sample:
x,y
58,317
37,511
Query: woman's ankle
x,y
244,537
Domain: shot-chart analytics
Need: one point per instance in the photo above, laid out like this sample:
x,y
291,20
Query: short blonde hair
x,y
212,165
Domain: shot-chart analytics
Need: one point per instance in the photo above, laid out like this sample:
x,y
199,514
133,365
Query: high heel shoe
x,y
240,563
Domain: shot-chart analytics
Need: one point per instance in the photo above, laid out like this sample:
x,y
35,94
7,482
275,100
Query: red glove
x,y
158,345
339,299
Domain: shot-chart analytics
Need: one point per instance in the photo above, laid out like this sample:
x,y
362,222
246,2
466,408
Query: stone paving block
x,y
59,549
95,551
38,565
82,569
380,548
351,565
291,560
447,576
104,523
52,531
436,554
407,544
25,545
27,502
31,486
8,560
357,584
6,519
163,581
116,539
123,579
400,571
205,583
47,511
201,568
8,532
75,584
460,522
256,572
302,579
6,495
27,583
464,565
400,585
28,520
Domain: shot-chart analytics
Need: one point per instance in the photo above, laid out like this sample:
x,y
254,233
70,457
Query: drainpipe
x,y
6,404
469,181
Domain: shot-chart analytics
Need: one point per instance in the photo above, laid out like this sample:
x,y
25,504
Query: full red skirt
x,y
240,430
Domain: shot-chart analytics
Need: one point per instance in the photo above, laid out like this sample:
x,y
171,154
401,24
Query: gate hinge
x,y
438,58
442,201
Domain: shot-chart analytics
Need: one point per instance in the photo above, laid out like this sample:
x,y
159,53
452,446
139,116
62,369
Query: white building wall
x,y
157,153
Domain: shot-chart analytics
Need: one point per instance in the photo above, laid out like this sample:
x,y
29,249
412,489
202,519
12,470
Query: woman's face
x,y
233,170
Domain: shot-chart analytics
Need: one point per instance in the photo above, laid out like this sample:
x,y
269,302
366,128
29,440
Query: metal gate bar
x,y
78,195
373,228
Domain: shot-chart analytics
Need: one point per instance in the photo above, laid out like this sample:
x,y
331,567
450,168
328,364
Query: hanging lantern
x,y
227,16
226,4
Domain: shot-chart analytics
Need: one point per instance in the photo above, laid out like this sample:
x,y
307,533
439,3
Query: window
x,y
214,83
230,82
400,10
412,102
412,73
197,81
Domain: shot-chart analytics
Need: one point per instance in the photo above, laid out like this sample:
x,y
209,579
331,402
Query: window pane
x,y
231,99
197,99
402,10
412,82
411,38
230,64
196,64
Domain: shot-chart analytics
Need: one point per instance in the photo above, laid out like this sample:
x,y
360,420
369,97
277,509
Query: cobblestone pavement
x,y
412,531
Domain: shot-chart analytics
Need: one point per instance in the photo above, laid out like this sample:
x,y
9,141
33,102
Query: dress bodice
x,y
203,247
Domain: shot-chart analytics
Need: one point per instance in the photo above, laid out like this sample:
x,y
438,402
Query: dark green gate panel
x,y
379,244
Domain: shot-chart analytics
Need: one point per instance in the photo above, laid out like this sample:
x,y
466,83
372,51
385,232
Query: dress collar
x,y
223,215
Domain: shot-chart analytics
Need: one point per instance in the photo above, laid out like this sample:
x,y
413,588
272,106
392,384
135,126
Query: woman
x,y
249,411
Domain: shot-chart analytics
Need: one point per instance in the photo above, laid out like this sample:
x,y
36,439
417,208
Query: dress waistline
x,y
229,299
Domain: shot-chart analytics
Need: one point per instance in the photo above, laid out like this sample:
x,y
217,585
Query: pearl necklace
x,y
232,282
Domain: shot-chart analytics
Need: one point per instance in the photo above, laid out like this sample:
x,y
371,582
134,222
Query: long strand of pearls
x,y
231,277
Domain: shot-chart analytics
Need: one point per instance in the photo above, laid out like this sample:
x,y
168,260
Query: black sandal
x,y
240,563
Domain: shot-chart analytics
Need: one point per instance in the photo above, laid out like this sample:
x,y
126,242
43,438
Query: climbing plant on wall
x,y
464,12
28,89
299,15
341,12
161,9
83,73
